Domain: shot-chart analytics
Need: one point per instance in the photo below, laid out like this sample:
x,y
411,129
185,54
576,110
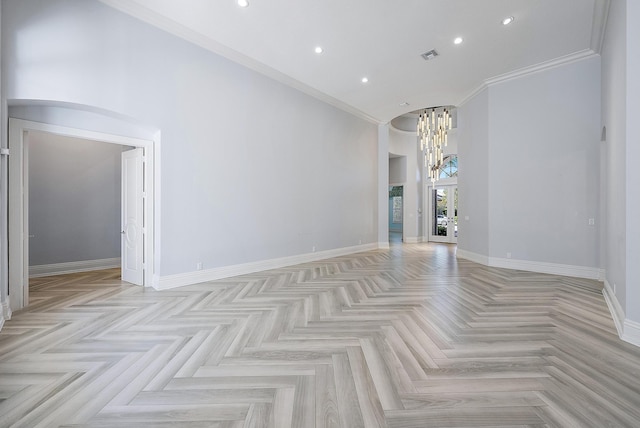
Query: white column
x,y
383,186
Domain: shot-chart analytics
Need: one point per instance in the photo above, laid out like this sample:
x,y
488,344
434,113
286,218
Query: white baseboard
x,y
631,332
72,267
5,312
531,266
383,245
617,313
473,257
411,240
196,277
628,330
543,267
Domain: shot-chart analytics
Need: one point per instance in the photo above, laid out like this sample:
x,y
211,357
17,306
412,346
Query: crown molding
x,y
543,66
527,71
162,22
599,25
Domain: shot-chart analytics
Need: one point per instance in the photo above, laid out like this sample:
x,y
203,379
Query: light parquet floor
x,y
406,337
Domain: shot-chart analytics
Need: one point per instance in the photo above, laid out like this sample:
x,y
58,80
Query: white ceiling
x,y
383,40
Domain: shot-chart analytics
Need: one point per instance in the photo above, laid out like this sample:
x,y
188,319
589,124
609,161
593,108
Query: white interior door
x,y
443,214
133,216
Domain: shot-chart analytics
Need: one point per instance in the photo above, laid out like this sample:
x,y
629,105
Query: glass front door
x,y
443,214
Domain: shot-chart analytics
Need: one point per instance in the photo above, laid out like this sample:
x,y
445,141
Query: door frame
x,y
450,238
18,198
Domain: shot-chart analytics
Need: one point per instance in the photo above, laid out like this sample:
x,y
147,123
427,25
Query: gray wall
x,y
251,169
74,199
633,157
544,133
397,170
541,174
614,75
621,110
473,175
404,144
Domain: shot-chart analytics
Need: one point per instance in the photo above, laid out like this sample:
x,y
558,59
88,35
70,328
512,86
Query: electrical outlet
x,y
199,266
509,255
592,221
313,249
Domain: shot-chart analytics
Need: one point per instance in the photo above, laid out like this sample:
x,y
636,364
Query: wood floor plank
x,y
404,337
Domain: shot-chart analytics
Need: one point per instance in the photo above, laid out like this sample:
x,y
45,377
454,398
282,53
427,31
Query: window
x,y
449,167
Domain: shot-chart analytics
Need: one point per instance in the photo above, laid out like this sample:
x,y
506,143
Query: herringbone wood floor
x,y
407,337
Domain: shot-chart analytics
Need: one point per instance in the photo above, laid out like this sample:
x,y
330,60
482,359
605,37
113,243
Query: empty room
x,y
248,213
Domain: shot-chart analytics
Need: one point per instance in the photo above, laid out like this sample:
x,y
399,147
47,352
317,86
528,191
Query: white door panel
x,y
133,216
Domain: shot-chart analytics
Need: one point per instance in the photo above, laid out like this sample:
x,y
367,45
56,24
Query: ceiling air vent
x,y
429,55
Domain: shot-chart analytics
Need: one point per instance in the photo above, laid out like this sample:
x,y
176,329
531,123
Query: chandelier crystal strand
x,y
433,127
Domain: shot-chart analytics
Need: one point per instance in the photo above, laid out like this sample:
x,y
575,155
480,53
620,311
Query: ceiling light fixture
x,y
433,127
508,20
243,3
319,49
457,40
365,80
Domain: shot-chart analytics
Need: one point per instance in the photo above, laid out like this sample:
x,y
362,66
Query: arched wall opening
x,y
78,122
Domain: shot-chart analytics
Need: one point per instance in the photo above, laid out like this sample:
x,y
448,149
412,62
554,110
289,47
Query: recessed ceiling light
x,y
365,79
457,40
508,20
404,104
243,3
319,49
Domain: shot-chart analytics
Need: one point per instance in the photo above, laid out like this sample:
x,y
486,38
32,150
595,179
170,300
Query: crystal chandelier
x,y
433,126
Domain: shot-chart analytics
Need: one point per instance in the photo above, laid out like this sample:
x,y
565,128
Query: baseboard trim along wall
x,y
72,267
617,313
383,245
196,277
530,266
472,257
628,330
5,312
631,332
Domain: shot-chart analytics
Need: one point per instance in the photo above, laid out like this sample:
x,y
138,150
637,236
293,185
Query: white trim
x,y
411,240
473,257
471,95
543,66
532,266
383,245
196,277
543,267
600,18
18,205
617,313
73,267
5,312
526,71
158,20
628,330
631,332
